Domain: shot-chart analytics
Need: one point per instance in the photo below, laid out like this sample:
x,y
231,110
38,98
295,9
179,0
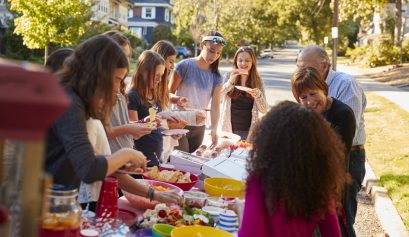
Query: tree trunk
x,y
398,5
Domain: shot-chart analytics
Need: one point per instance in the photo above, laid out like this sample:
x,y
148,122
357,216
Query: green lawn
x,y
387,149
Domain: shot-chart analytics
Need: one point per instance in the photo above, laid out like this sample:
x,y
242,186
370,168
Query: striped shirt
x,y
348,90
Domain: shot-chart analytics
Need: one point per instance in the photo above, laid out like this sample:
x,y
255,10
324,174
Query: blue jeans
x,y
357,171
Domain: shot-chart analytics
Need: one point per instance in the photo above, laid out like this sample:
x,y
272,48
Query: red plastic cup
x,y
107,206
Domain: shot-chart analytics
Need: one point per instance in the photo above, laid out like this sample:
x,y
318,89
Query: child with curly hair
x,y
296,175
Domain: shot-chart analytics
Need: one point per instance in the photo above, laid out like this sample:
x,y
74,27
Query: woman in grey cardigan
x,y
243,95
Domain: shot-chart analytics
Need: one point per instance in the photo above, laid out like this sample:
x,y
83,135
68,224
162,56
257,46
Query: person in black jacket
x,y
310,90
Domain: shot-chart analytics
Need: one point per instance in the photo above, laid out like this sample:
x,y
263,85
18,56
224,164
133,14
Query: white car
x,y
267,53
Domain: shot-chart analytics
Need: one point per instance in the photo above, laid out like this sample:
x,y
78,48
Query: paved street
x,y
276,74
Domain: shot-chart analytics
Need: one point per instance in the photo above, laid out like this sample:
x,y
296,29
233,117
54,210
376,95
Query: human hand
x,y
181,102
138,131
157,120
168,197
200,116
176,137
234,75
215,139
255,92
137,160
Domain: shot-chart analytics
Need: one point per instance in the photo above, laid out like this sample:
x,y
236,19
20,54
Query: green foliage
x,y
42,22
405,49
361,10
379,52
162,32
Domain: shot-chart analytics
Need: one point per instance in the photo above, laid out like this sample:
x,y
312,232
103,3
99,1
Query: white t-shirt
x,y
99,141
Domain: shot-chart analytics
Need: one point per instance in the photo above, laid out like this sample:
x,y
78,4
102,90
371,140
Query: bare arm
x,y
174,83
132,129
133,115
130,185
124,156
215,113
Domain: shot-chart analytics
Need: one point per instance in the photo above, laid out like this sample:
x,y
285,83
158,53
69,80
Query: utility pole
x,y
334,32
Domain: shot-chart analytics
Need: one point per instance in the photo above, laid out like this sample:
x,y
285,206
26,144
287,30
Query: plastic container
x,y
162,230
63,216
224,187
183,186
107,205
195,199
199,231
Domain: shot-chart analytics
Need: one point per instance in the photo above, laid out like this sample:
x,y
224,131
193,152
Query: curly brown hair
x,y
299,160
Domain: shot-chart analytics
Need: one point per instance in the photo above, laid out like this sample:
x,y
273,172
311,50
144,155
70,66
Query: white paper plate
x,y
171,132
243,88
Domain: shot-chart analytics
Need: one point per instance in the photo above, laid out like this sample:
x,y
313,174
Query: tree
x,y
162,32
42,22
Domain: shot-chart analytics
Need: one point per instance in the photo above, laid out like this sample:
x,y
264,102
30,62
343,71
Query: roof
x,y
161,3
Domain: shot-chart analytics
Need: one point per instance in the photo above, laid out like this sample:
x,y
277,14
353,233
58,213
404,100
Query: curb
x,y
388,216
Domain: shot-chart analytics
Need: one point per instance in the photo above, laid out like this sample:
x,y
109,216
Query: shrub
x,y
379,52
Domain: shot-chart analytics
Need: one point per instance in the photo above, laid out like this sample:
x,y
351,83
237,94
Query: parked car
x,y
183,52
267,53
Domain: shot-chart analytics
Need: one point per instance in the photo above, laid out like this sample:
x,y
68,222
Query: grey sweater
x,y
69,155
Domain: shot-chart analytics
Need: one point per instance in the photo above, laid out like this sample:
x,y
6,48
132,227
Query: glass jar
x,y
62,216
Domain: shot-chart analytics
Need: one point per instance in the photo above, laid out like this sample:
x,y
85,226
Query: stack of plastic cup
x,y
228,221
107,206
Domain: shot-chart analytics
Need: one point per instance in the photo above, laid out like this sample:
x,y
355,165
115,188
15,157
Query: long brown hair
x,y
299,160
254,80
123,41
214,67
165,49
89,72
145,67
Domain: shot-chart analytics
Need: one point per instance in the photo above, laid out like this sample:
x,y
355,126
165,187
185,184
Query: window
x,y
148,12
166,14
137,31
130,13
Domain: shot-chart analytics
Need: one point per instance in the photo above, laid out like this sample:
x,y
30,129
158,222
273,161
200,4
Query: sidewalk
x,y
390,219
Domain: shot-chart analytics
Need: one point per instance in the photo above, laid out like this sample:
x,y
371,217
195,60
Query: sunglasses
x,y
215,40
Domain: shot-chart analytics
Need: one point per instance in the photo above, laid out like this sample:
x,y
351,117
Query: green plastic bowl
x,y
162,230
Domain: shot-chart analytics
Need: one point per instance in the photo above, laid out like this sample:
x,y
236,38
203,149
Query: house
x,y
112,12
365,36
5,15
147,14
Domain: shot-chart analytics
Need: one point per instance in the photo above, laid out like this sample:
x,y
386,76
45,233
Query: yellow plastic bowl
x,y
199,231
224,186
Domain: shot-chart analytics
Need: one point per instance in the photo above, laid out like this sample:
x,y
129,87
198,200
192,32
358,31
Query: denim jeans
x,y
357,171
